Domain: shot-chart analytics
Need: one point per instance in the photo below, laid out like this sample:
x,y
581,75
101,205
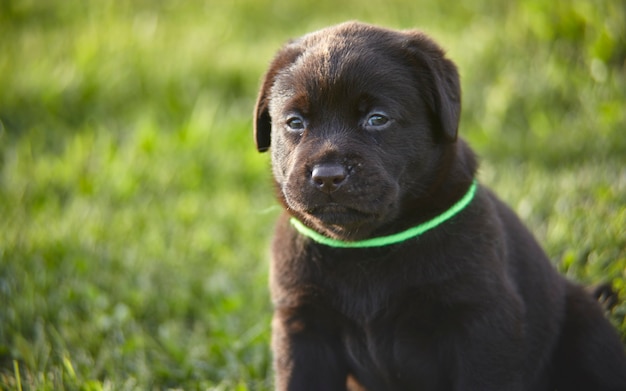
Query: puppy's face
x,y
356,116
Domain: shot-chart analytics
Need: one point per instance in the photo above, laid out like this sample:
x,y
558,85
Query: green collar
x,y
391,239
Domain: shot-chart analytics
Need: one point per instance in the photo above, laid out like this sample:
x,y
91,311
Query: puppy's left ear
x,y
262,118
441,75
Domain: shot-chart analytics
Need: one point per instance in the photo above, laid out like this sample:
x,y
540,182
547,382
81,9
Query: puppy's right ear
x,y
262,118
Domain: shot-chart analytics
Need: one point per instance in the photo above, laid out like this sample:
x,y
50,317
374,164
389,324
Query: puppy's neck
x,y
453,174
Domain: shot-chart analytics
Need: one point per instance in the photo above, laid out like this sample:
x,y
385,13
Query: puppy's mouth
x,y
344,218
337,214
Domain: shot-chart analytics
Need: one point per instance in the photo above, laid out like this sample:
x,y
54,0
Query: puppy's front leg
x,y
307,353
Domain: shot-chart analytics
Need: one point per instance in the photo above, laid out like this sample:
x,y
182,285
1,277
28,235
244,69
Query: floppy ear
x,y
443,79
262,118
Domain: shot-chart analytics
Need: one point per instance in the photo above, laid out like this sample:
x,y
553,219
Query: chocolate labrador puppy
x,y
392,268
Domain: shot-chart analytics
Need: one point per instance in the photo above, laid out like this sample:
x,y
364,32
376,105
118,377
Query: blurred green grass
x,y
136,214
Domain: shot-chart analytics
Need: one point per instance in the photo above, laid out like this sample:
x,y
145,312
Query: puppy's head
x,y
357,118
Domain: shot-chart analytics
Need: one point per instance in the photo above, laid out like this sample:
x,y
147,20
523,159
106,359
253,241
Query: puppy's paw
x,y
605,295
353,385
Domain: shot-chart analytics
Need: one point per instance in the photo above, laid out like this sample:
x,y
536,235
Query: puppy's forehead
x,y
344,60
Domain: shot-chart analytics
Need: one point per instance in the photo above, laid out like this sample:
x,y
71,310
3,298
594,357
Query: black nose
x,y
328,177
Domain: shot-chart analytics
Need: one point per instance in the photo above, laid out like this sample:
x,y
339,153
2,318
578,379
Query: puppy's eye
x,y
295,124
377,121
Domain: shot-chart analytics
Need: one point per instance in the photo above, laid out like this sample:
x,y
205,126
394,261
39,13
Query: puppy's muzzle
x,y
328,177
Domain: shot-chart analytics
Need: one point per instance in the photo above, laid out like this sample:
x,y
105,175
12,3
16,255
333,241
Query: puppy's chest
x,y
361,305
390,317
357,288
394,339
362,292
374,303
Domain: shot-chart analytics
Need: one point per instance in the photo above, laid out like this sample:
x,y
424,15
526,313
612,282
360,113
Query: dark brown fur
x,y
473,304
